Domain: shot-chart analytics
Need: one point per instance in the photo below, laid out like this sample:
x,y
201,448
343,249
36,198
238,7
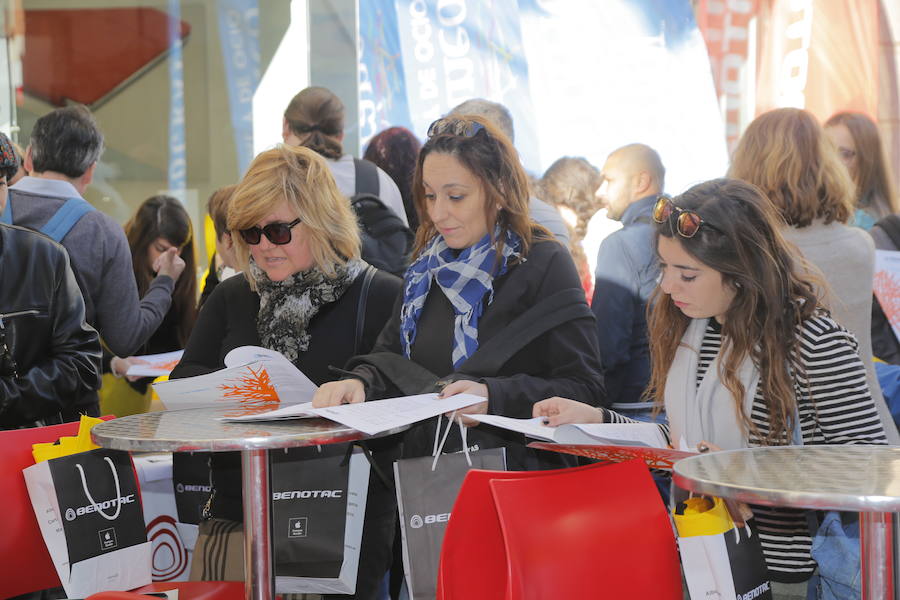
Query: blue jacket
x,y
627,271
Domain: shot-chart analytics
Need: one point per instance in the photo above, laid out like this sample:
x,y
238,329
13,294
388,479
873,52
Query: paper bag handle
x,y
90,498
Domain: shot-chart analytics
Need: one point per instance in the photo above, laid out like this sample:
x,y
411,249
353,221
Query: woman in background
x,y
395,151
787,155
860,149
161,224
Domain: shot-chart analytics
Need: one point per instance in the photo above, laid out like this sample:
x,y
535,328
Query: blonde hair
x,y
787,155
300,177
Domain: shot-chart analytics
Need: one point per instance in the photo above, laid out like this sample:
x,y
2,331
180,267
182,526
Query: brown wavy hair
x,y
299,176
774,295
787,155
874,187
165,217
572,182
491,158
316,117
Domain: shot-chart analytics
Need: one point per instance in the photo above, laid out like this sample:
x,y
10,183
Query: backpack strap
x,y
891,226
366,177
65,218
6,216
361,307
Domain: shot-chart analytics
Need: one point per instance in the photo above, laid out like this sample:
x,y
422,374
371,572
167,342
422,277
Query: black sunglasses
x,y
8,366
688,222
278,233
452,126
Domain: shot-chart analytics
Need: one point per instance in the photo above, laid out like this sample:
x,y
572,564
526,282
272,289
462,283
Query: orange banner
x,y
726,27
821,55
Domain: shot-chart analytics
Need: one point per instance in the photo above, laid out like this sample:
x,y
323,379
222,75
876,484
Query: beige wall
x,y
135,121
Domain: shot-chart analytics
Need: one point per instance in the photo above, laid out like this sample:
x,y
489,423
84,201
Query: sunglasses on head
x,y
688,222
277,233
451,126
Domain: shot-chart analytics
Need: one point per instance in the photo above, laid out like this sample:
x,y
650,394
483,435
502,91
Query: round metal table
x,y
865,479
199,430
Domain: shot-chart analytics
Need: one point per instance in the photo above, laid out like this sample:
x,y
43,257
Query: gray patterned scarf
x,y
286,307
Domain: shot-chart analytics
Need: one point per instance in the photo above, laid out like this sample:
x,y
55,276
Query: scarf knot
x,y
466,277
287,307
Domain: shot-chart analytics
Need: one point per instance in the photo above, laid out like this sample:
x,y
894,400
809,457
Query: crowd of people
x,y
739,313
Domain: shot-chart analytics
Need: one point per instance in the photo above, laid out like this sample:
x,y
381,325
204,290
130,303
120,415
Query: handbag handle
x,y
439,446
90,498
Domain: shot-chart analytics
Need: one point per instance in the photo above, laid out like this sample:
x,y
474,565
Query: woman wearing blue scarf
x,y
492,304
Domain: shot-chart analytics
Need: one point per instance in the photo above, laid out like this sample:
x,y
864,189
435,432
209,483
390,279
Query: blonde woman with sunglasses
x,y
741,346
305,292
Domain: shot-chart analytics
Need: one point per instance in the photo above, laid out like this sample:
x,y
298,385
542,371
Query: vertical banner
x,y
821,55
239,38
726,27
382,84
455,50
177,142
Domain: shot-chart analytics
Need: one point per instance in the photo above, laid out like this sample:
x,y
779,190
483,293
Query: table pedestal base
x,y
876,547
260,584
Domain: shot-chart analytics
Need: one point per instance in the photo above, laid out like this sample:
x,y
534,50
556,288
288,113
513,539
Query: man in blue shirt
x,y
627,270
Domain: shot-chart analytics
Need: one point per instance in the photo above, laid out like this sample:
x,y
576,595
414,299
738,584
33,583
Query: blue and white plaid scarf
x,y
465,279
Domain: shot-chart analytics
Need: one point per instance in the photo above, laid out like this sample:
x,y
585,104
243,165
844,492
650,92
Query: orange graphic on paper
x,y
166,366
887,290
253,390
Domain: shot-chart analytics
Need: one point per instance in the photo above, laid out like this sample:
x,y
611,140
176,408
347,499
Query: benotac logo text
x,y
303,494
74,513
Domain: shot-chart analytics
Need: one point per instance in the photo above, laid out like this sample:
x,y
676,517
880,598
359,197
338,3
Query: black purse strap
x,y
361,307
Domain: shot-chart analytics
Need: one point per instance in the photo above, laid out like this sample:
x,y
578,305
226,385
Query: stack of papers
x,y
372,417
614,434
155,365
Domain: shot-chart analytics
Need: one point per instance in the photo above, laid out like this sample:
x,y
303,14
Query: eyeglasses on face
x,y
688,222
452,126
277,233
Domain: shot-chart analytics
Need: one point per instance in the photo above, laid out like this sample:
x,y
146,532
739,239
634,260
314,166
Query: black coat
x,y
564,361
57,354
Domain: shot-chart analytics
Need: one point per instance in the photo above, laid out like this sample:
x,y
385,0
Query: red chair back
x,y
27,566
473,557
596,533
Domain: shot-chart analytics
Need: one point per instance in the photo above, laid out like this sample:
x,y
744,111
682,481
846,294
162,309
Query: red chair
x,y
473,557
27,566
598,533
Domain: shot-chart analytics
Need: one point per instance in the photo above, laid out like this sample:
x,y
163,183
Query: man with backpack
x,y
315,119
61,157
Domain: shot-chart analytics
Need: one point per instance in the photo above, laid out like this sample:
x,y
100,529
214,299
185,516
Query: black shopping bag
x,y
318,507
720,559
425,498
88,507
191,482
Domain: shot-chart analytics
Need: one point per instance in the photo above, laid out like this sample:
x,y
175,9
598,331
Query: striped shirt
x,y
835,407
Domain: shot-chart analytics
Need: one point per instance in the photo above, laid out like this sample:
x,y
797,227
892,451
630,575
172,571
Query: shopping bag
x,y
89,510
318,508
720,559
835,548
426,491
171,555
192,486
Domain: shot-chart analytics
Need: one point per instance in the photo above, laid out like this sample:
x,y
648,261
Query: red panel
x,y
82,55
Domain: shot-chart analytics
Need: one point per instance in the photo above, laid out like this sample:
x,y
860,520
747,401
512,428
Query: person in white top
x,y
315,119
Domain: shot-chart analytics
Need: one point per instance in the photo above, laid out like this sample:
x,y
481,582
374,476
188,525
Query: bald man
x,y
633,178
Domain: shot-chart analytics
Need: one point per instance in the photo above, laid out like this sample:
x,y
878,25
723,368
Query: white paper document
x,y
254,377
378,415
155,365
294,411
614,434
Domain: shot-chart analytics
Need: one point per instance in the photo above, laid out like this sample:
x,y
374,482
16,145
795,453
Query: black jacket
x,y
564,361
57,354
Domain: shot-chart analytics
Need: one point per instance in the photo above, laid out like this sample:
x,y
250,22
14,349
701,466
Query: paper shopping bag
x,y
720,560
425,498
89,510
318,506
192,485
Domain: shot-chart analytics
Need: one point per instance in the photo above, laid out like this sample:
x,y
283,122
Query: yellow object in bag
x,y
68,445
703,516
120,399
